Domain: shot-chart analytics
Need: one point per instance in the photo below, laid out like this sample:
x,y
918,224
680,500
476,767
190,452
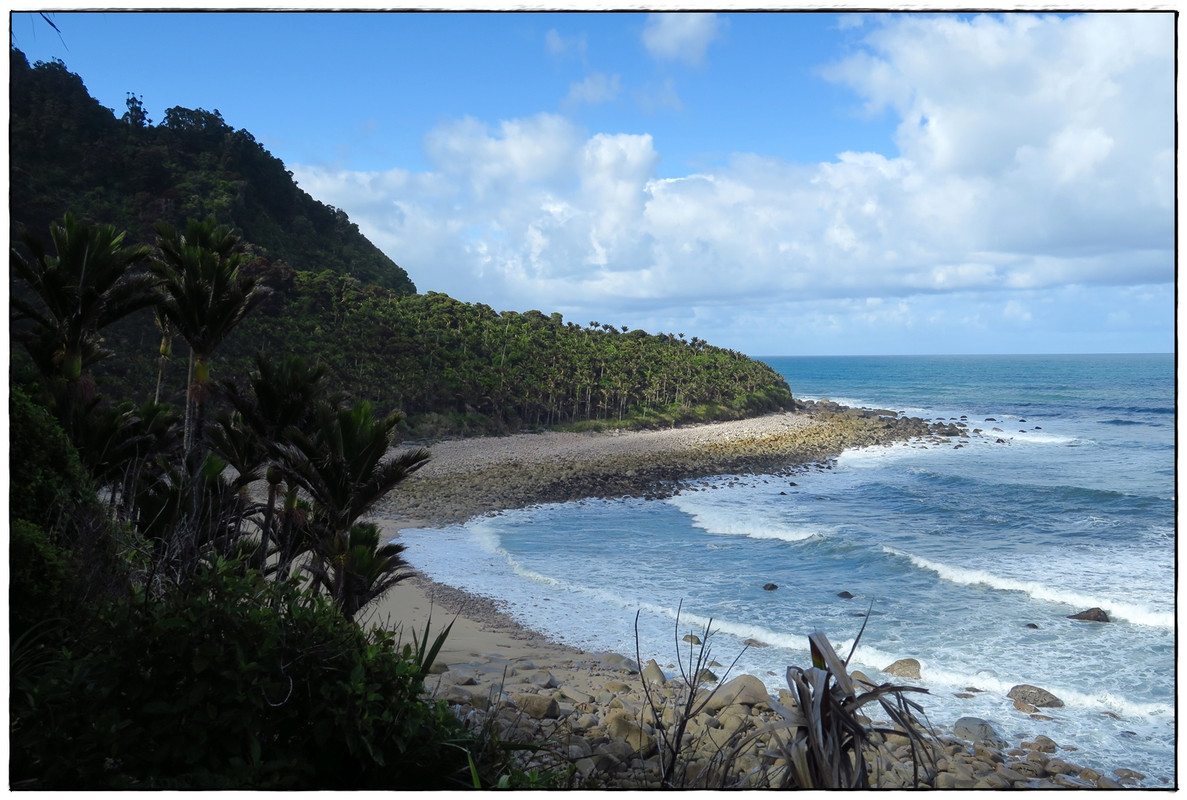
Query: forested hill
x,y
451,367
69,153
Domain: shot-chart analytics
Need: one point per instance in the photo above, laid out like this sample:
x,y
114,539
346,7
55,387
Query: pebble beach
x,y
603,714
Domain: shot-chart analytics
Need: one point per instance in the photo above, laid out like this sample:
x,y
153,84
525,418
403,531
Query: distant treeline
x,y
456,367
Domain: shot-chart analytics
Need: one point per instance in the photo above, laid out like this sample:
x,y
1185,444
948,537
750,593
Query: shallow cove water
x,y
1063,501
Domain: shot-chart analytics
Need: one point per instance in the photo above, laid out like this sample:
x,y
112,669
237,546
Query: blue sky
x,y
777,183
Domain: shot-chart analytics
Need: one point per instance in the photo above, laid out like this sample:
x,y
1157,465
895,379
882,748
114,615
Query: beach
x,y
591,707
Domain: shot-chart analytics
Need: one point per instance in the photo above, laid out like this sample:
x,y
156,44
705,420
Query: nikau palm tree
x,y
204,296
282,395
345,468
89,284
356,569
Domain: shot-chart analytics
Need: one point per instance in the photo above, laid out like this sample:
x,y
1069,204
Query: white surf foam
x,y
1130,612
751,520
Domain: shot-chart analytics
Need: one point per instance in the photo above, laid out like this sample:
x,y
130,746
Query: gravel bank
x,y
469,477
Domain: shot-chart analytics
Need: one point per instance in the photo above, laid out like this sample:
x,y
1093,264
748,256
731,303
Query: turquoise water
x,y
956,549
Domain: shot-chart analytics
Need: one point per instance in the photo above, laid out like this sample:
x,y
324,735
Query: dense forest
x,y
210,371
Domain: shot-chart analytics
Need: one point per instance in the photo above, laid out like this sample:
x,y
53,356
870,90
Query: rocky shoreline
x,y
469,477
590,709
591,714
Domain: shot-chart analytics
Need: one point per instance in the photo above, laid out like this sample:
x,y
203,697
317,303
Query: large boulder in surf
x,y
1040,698
1092,615
975,729
903,668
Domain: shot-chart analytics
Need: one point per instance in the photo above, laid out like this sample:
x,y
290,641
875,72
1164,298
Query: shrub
x,y
63,550
42,578
232,682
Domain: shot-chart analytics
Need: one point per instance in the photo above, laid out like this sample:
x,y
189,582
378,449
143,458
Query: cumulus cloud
x,y
681,36
1034,153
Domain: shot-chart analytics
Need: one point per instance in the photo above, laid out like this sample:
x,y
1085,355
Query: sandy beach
x,y
591,706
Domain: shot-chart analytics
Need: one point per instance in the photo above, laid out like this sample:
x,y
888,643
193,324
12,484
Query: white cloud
x,y
681,36
655,97
596,88
1016,311
559,45
1034,155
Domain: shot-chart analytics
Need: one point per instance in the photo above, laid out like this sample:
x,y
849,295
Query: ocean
x,y
970,558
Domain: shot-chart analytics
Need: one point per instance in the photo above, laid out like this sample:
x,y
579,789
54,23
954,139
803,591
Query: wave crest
x,y
1130,612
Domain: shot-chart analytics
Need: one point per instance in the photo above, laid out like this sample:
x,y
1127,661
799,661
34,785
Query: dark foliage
x,y
64,552
231,682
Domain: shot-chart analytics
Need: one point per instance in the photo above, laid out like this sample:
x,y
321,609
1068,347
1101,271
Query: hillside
x,y
69,153
451,367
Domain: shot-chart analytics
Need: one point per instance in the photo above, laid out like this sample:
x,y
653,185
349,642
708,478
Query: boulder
x,y
1128,775
845,595
620,663
903,668
1028,769
622,728
770,587
1024,707
653,674
1035,696
1042,744
861,677
745,690
975,729
692,638
1057,766
946,780
537,706
541,678
1092,615
579,747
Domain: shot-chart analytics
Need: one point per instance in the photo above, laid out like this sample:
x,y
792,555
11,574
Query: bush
x,y
42,578
47,480
64,551
233,682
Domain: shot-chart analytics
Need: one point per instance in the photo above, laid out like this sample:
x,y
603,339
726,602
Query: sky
x,y
778,183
